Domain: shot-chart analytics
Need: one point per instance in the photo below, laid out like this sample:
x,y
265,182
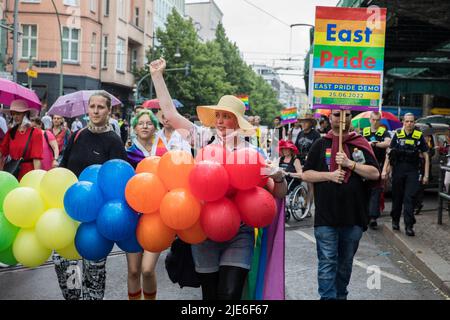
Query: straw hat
x,y
207,114
20,106
286,144
308,117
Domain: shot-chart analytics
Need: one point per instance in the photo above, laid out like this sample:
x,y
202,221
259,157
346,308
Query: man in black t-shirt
x,y
379,140
341,198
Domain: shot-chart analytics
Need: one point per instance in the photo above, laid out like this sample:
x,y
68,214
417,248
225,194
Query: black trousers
x,y
227,284
405,184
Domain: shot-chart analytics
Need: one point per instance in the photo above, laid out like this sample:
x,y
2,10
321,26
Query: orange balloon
x,y
174,169
149,165
152,234
179,209
193,235
144,192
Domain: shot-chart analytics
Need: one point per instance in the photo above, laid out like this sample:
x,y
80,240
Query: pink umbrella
x,y
10,91
76,104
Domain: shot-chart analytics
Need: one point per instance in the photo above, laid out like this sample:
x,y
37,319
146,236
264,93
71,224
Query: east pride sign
x,y
348,58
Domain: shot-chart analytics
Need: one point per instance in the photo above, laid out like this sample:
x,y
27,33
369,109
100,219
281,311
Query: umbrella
x,y
318,113
76,104
10,91
154,104
388,119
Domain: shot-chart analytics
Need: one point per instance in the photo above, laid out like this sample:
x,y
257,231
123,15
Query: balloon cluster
x,y
160,191
98,202
33,222
230,184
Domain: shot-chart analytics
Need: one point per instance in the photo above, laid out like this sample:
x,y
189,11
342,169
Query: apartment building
x,y
206,15
3,37
163,8
102,42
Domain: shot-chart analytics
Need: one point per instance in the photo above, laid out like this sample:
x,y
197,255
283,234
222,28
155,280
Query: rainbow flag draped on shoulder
x,y
266,277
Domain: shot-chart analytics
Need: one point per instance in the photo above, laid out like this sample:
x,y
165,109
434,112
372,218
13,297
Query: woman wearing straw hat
x,y
15,142
222,268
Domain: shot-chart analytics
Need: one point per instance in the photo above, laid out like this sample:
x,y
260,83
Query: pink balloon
x,y
220,220
256,206
244,168
208,181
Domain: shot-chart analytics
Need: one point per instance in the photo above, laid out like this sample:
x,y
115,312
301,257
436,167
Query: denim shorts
x,y
238,252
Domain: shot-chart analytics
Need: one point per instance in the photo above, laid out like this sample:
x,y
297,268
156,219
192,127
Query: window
x,y
29,41
73,3
136,17
105,52
93,45
71,40
120,63
121,7
106,7
133,59
93,5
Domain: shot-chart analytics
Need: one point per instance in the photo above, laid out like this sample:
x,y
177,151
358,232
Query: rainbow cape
x,y
266,277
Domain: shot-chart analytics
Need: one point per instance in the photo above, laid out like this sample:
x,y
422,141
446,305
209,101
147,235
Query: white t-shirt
x,y
47,121
115,125
295,132
176,142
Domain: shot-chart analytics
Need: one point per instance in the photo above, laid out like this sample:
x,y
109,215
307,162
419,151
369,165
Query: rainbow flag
x,y
288,116
244,99
266,277
348,58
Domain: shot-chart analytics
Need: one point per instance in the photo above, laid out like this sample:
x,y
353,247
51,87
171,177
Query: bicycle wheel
x,y
298,203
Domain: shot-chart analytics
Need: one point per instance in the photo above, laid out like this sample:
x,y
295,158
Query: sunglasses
x,y
338,115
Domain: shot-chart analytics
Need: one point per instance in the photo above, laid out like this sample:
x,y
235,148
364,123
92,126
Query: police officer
x,y
406,146
379,139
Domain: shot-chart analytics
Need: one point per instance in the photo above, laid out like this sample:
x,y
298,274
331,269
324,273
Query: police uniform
x,y
405,162
374,205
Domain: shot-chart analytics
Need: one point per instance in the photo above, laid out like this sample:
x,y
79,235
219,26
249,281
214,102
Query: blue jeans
x,y
336,247
374,204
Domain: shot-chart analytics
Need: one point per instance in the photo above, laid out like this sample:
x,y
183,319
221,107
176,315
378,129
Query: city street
x,y
398,280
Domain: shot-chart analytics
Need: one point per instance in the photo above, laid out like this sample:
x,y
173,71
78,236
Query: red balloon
x,y
244,167
256,206
231,192
263,182
208,181
220,220
212,152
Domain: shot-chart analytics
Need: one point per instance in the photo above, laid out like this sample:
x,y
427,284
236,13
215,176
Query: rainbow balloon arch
x,y
144,209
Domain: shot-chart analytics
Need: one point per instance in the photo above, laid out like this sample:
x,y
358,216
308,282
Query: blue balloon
x,y
83,201
130,245
90,244
113,178
90,173
116,221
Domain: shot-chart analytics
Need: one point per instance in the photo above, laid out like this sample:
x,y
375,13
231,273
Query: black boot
x,y
409,231
395,225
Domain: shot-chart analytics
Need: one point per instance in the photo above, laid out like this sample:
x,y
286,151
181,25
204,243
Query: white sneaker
x,y
2,265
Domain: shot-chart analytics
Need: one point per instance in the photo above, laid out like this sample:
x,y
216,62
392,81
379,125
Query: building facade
x,y
163,8
206,16
3,37
102,42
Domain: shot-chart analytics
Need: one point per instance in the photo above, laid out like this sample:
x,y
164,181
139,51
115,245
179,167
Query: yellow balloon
x,y
33,179
54,185
23,207
28,250
70,252
55,229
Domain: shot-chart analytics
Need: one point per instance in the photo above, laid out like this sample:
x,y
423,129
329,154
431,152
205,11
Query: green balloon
x,y
8,232
7,257
7,183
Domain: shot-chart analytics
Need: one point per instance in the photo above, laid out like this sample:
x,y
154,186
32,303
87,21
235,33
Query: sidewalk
x,y
429,250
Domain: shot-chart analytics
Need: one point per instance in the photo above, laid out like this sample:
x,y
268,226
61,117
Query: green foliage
x,y
216,69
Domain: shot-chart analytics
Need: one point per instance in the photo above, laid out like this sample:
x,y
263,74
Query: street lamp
x,y
311,34
61,74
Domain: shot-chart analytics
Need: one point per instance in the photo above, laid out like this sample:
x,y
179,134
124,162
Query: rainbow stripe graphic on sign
x,y
244,99
348,58
288,116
